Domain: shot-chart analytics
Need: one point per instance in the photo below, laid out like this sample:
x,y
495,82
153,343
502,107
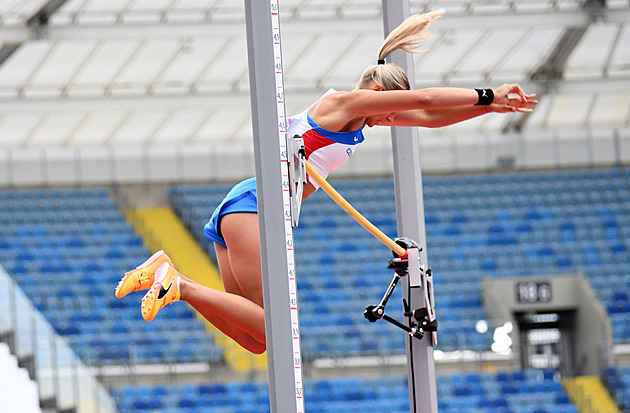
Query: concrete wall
x,y
441,152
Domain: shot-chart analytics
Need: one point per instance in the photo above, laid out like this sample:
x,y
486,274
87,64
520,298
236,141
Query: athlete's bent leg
x,y
238,312
236,316
240,231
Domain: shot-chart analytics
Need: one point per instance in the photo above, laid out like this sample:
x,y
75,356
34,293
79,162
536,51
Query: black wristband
x,y
486,96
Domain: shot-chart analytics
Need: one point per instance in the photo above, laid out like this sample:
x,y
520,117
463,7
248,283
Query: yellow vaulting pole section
x,y
161,229
345,205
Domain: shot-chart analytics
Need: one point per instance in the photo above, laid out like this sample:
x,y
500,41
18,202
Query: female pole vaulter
x,y
331,129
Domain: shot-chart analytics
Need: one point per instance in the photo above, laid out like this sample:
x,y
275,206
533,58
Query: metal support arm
x,y
422,319
296,156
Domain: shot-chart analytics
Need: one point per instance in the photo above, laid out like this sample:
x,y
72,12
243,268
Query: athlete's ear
x,y
377,87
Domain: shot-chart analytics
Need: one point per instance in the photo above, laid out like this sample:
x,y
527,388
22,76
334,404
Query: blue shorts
x,y
241,198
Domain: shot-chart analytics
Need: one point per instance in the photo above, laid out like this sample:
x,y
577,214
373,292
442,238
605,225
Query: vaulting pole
x,y
346,206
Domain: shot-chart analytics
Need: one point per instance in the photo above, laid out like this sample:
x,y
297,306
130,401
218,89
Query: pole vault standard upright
x,y
274,211
410,218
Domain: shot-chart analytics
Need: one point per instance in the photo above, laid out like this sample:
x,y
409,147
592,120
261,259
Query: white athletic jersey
x,y
325,150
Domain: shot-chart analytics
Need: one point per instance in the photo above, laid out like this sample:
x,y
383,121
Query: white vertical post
x,y
410,217
274,213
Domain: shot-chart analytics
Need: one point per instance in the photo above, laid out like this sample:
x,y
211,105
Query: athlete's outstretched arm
x,y
436,118
336,110
368,102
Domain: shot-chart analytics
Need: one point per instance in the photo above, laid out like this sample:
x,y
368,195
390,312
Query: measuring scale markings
x,y
293,301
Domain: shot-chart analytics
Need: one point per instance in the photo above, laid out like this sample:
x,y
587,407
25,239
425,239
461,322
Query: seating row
x,y
489,225
388,393
67,250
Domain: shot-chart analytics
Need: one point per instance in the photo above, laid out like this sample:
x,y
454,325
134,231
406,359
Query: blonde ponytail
x,y
409,35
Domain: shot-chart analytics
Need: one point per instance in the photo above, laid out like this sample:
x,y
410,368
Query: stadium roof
x,y
119,72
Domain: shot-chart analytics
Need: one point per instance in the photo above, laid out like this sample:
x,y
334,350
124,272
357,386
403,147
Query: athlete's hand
x,y
512,98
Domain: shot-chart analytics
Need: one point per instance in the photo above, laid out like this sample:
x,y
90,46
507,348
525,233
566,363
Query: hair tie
x,y
380,62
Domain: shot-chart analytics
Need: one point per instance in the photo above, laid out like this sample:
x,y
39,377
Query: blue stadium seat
x,y
499,224
47,236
